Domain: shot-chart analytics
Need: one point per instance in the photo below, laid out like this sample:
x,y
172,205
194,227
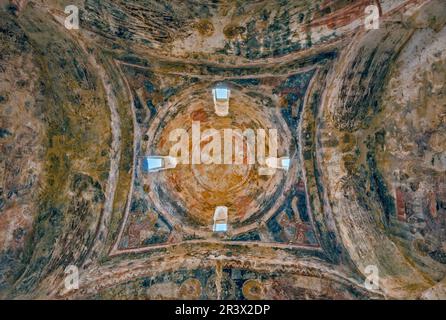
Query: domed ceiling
x,y
223,150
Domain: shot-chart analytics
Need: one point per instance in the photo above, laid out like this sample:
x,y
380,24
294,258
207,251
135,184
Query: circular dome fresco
x,y
234,176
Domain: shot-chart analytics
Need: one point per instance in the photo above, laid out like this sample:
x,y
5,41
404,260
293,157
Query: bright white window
x,y
220,219
221,101
158,163
221,227
154,163
221,94
285,163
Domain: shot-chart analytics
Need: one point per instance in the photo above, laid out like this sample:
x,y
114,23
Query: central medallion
x,y
199,185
